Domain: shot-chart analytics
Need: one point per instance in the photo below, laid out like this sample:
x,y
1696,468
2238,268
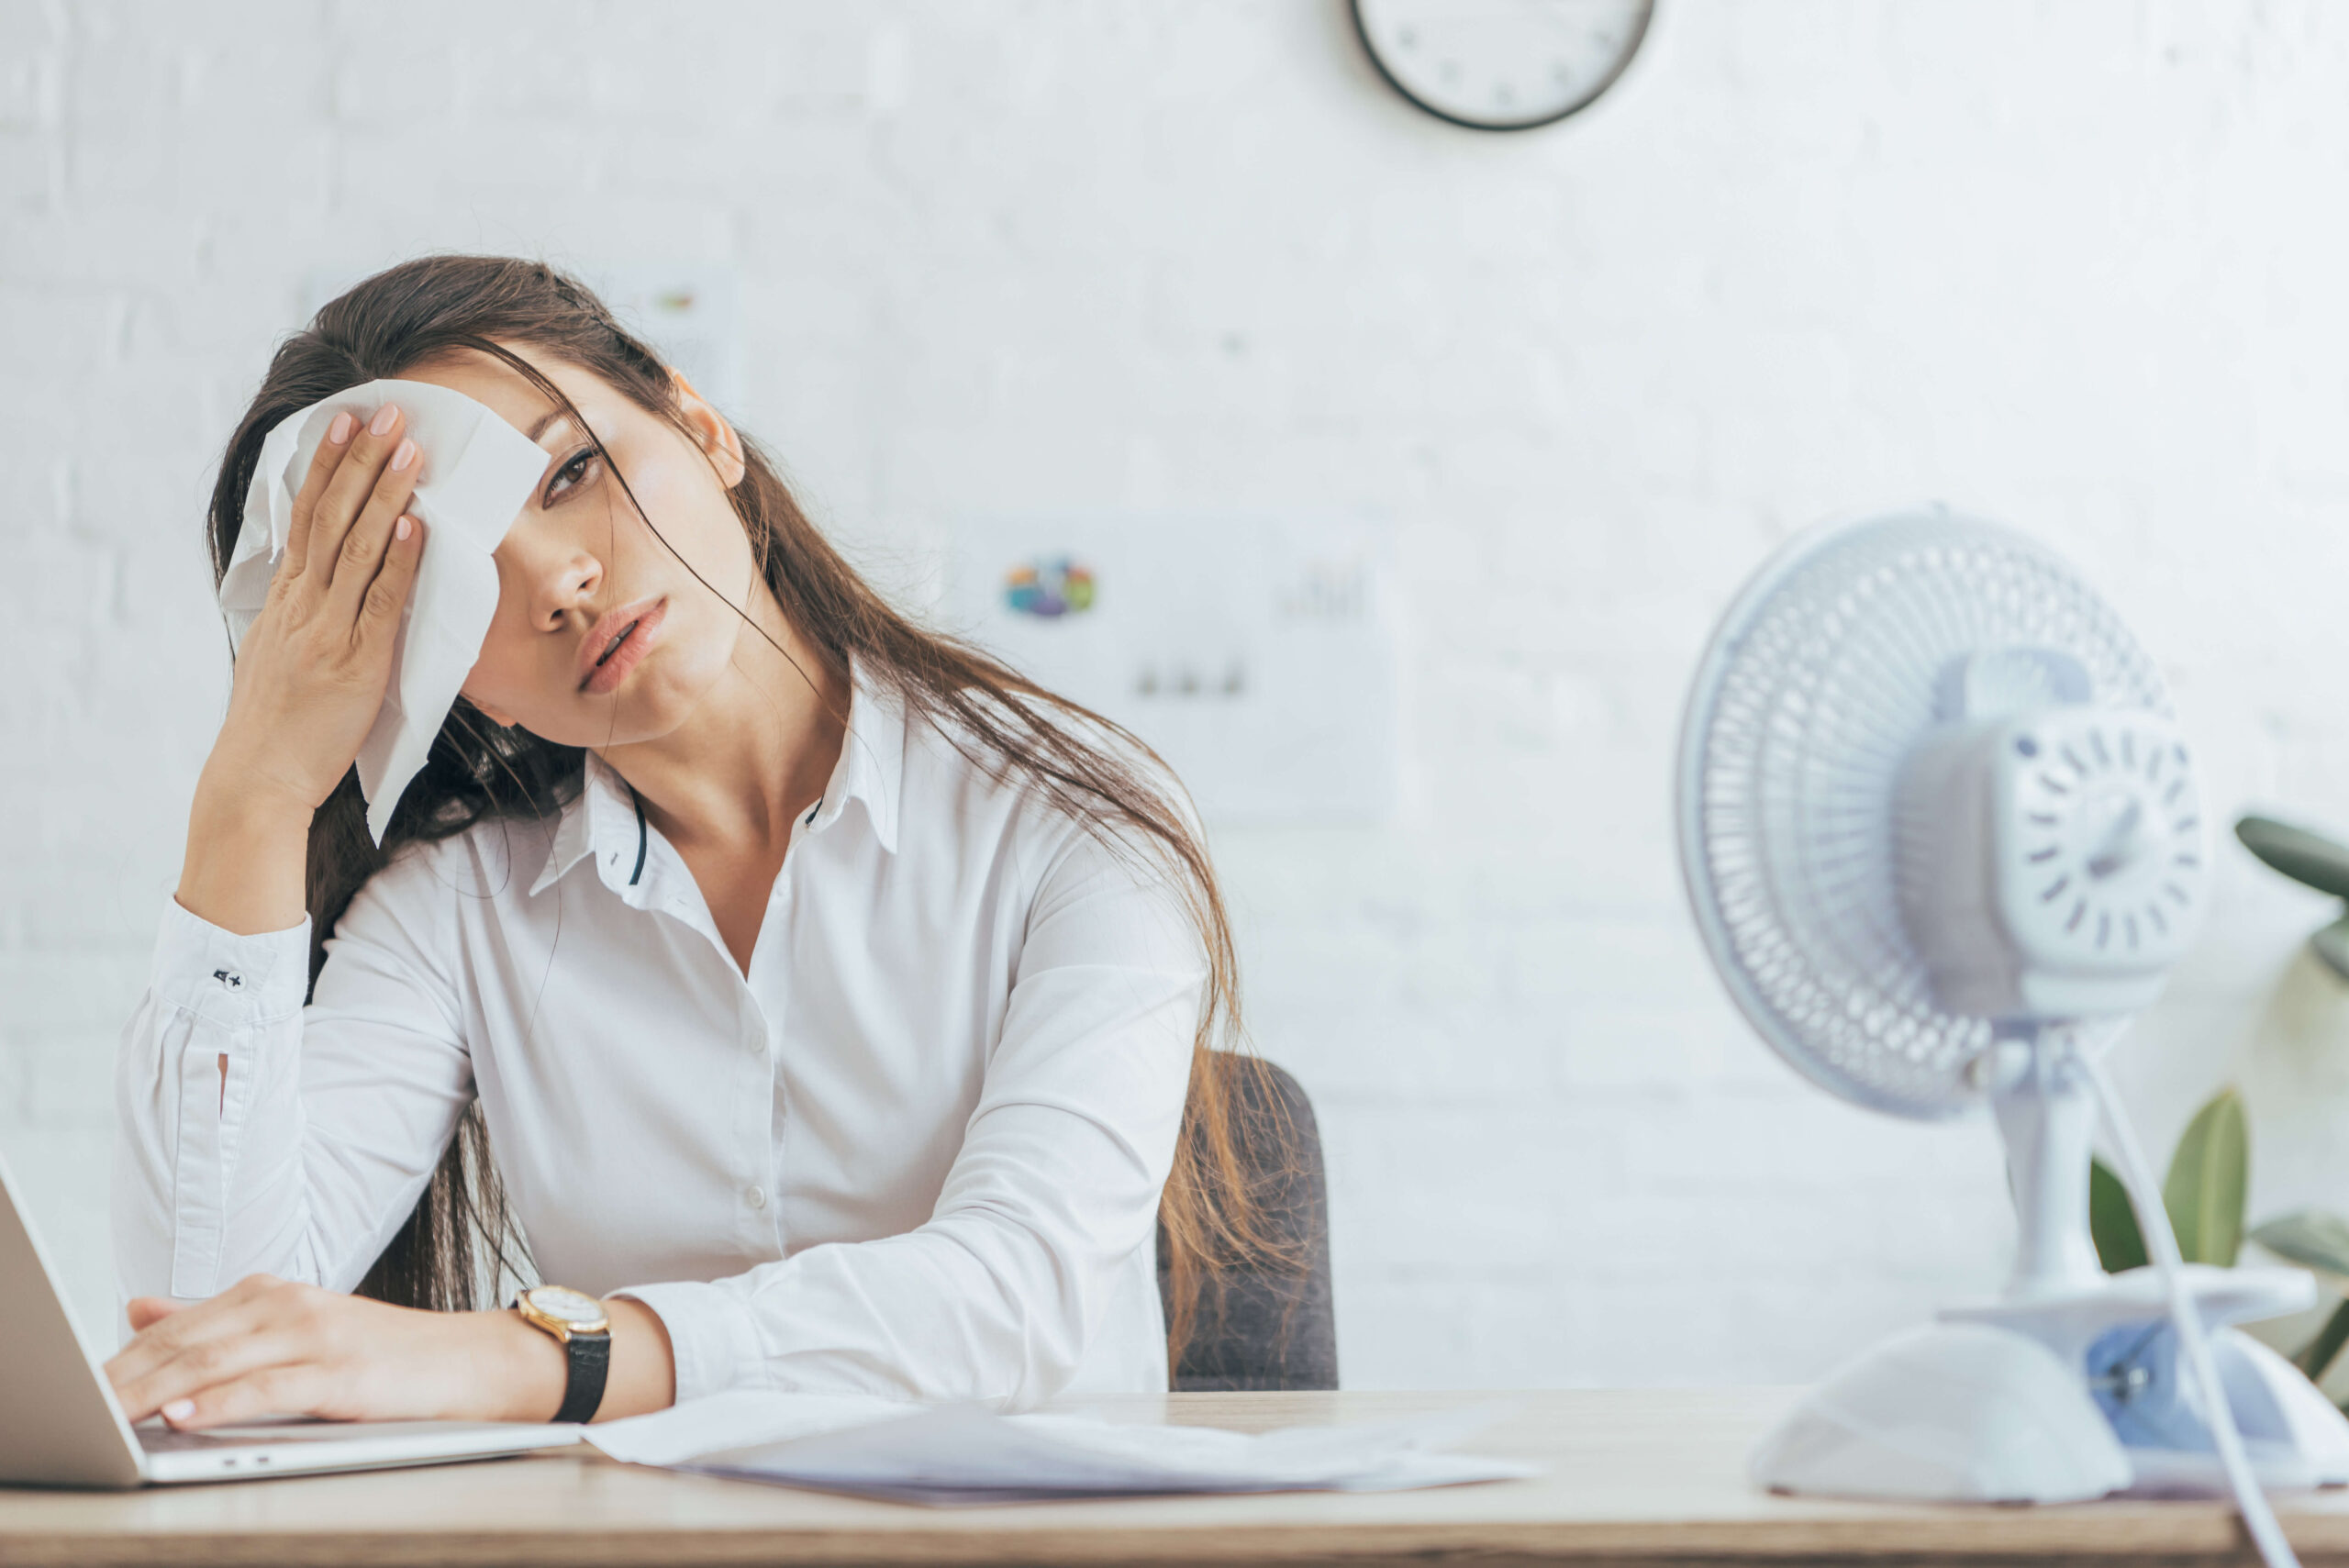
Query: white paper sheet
x,y
736,1420
964,1454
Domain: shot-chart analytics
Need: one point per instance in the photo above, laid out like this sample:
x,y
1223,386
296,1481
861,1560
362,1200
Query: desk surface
x,y
1651,1476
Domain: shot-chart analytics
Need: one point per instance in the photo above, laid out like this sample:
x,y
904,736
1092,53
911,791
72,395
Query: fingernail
x,y
340,431
403,527
404,454
179,1409
382,423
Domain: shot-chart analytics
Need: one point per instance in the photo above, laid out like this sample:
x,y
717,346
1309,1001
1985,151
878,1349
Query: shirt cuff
x,y
713,1336
239,981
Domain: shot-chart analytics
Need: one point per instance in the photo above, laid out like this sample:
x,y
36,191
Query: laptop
x,y
59,1425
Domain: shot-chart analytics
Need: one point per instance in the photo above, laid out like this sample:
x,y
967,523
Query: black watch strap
x,y
591,1358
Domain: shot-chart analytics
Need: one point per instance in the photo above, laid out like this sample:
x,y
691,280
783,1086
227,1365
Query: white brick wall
x,y
2078,266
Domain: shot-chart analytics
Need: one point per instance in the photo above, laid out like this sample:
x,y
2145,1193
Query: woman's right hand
x,y
313,666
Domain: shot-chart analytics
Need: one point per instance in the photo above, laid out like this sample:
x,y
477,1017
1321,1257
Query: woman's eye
x,y
570,476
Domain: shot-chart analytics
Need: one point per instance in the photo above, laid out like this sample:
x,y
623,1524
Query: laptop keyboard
x,y
171,1439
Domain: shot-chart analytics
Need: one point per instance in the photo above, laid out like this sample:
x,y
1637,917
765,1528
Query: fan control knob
x,y
2052,863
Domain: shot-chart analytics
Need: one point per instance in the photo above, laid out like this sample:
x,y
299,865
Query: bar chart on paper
x,y
1255,654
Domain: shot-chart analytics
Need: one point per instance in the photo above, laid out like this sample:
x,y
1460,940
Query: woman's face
x,y
602,636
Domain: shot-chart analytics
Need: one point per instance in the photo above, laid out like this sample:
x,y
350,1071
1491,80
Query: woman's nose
x,y
573,587
555,579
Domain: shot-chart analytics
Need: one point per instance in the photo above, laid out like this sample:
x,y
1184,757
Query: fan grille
x,y
1818,684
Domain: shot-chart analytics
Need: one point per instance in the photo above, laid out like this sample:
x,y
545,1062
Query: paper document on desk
x,y
968,1453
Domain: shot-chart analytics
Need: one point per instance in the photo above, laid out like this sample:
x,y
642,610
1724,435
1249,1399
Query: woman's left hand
x,y
270,1347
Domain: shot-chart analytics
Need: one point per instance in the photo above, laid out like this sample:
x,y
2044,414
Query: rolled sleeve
x,y
713,1334
261,1132
188,1073
235,982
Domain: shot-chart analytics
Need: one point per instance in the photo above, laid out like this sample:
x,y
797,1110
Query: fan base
x,y
2059,1401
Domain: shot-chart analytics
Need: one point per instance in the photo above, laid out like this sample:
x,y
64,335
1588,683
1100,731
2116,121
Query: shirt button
x,y
756,1198
756,1045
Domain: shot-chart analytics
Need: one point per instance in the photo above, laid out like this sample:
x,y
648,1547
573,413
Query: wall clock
x,y
1501,64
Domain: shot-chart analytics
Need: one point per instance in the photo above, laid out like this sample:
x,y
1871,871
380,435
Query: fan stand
x,y
2067,1387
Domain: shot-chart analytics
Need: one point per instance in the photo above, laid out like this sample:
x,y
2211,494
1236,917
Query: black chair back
x,y
1260,1326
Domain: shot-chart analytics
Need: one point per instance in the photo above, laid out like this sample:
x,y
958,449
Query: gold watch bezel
x,y
563,1329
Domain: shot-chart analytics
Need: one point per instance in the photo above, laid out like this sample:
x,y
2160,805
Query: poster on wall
x,y
1255,653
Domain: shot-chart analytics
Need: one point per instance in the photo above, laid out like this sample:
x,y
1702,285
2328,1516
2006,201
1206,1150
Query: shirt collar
x,y
872,759
602,820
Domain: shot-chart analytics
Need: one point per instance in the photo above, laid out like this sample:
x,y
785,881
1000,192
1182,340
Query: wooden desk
x,y
1650,1477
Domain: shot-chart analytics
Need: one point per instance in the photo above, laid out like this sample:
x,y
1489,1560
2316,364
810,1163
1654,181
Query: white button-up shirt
x,y
917,1150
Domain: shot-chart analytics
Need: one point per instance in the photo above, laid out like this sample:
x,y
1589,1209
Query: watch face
x,y
566,1305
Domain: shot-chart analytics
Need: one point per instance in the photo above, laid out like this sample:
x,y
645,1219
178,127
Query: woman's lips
x,y
620,637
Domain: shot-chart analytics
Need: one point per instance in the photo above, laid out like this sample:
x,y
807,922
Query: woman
x,y
837,1002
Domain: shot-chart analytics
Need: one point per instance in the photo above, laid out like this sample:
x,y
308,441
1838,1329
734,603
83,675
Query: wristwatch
x,y
579,1323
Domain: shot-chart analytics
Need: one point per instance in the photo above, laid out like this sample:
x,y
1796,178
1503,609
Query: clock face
x,y
1501,64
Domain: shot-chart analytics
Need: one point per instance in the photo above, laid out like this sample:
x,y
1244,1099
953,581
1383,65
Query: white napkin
x,y
478,471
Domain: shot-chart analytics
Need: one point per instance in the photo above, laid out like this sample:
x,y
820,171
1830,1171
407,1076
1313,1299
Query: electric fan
x,y
1942,837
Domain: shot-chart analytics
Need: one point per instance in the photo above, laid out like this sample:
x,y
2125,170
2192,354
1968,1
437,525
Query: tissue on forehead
x,y
477,473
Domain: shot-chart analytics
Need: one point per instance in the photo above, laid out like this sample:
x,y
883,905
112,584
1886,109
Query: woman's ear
x,y
709,428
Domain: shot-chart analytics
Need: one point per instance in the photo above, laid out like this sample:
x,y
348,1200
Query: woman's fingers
x,y
323,463
146,1311
205,1343
201,1367
365,481
147,1385
283,1389
268,1347
379,612
364,546
159,1341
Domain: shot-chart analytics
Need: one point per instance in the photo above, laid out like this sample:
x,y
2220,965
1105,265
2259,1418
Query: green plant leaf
x,y
2316,1357
2207,1176
2318,1240
2112,1223
2309,859
2311,1237
2331,946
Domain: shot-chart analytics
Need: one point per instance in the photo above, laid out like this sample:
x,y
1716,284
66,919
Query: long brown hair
x,y
462,1239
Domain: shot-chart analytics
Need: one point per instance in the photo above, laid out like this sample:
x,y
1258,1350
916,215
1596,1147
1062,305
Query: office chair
x,y
1257,1327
